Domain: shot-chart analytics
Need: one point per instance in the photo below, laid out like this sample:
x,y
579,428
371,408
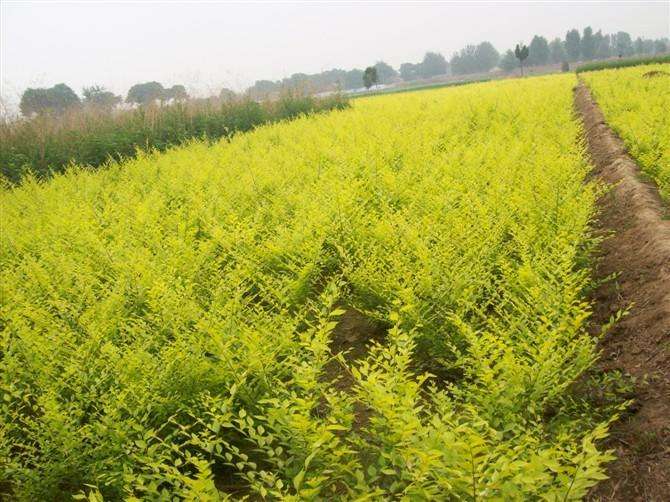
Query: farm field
x,y
635,102
192,324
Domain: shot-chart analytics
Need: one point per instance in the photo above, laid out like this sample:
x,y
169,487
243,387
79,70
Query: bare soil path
x,y
638,250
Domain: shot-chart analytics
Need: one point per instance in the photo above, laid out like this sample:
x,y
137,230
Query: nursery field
x,y
635,102
194,324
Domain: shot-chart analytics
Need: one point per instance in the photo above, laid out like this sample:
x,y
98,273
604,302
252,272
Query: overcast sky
x,y
207,45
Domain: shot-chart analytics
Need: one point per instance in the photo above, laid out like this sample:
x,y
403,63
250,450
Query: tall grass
x,y
47,144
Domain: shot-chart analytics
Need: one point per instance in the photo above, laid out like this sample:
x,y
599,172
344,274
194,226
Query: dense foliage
x,y
47,144
169,323
636,104
432,65
474,59
98,97
54,99
150,92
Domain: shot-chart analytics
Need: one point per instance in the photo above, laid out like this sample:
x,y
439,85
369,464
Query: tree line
x,y
587,46
479,58
61,97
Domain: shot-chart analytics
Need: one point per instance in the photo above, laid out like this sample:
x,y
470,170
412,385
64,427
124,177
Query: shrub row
x,y
623,63
635,102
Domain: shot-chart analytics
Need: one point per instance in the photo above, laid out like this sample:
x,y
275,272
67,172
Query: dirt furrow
x,y
637,248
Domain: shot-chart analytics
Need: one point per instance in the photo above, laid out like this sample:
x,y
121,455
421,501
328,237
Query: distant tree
x,y
643,46
623,44
34,101
538,51
99,97
176,92
227,95
588,44
145,93
409,71
648,46
573,45
661,45
521,53
557,51
474,59
262,88
464,61
486,56
55,99
370,76
508,62
604,48
297,81
458,63
328,80
63,97
433,64
598,41
353,79
385,73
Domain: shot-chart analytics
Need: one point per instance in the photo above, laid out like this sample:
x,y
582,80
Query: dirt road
x,y
638,250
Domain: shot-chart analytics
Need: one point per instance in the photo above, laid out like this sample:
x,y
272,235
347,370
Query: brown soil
x,y
353,333
651,74
636,222
352,338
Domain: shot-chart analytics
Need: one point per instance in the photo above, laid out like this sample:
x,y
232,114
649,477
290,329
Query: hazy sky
x,y
207,45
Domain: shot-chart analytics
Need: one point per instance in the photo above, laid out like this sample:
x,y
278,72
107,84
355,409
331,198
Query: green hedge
x,y
623,63
47,144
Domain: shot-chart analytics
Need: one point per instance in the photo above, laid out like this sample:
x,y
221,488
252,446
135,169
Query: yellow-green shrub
x,y
636,107
167,322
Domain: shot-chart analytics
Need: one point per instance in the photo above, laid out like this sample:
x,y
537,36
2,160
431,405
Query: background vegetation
x,y
93,135
576,46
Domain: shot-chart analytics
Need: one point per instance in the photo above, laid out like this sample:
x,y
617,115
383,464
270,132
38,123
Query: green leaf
x,y
297,480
